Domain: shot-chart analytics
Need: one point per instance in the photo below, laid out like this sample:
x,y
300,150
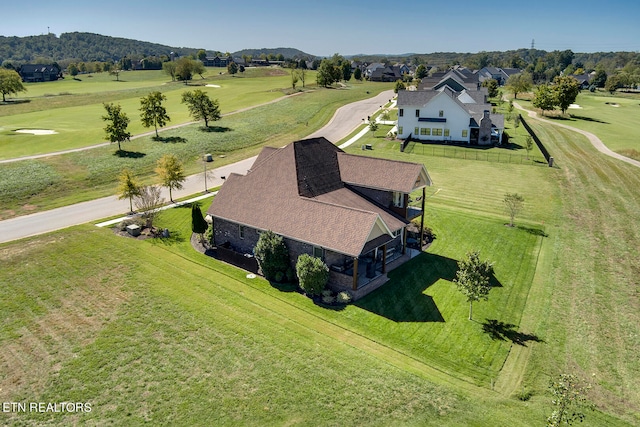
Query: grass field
x,y
46,183
74,108
153,331
612,118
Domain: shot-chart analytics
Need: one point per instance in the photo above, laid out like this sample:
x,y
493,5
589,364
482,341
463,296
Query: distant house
x,y
386,74
351,211
217,61
39,73
448,115
583,80
501,75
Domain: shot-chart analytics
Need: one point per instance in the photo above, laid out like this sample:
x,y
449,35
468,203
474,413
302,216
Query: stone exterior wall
x,y
227,231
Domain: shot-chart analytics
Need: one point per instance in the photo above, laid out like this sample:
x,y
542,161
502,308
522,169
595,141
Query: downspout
x,y
422,217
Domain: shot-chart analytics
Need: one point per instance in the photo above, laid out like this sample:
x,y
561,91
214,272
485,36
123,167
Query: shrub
x,y
313,274
328,299
344,297
272,255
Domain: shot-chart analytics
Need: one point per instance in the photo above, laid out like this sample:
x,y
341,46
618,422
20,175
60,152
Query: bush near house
x,y
313,274
272,255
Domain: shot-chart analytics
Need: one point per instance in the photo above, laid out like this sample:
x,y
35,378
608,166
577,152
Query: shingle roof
x,y
287,192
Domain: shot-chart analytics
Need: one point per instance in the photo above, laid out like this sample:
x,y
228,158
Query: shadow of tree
x,y
14,101
170,139
501,331
534,231
588,119
129,154
219,129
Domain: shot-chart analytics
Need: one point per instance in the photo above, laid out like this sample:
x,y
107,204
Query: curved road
x,y
344,121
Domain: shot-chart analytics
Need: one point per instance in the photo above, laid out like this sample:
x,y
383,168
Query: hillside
x,y
81,47
287,52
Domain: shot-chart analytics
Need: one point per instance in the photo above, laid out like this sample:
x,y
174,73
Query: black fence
x,y
539,143
232,257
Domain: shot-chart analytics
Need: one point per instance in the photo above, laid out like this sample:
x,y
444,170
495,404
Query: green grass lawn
x,y
152,331
60,180
612,117
74,108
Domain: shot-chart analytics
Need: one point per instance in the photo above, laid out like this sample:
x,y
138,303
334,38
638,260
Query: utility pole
x,y
533,43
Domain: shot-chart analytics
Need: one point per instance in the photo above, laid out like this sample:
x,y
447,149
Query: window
x,y
464,133
416,131
397,233
425,131
446,132
318,252
241,231
441,113
400,130
437,132
417,113
398,199
401,112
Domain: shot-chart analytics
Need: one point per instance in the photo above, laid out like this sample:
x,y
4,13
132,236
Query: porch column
x,y
422,217
384,258
404,240
355,274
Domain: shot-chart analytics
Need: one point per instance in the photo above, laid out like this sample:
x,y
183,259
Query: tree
x,y
328,73
373,126
569,399
232,68
492,87
10,82
544,98
421,72
128,187
198,224
272,254
513,204
117,122
528,145
346,71
399,86
201,107
152,112
613,83
294,78
600,79
201,55
198,68
169,67
357,74
185,68
566,89
171,173
472,278
148,203
518,83
312,273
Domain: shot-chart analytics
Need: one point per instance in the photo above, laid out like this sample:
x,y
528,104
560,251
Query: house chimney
x,y
486,114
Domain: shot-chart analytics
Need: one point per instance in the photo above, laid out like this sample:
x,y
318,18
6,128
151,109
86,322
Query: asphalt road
x,y
345,120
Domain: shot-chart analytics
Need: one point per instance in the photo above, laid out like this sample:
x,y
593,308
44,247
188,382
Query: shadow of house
x,y
403,299
502,331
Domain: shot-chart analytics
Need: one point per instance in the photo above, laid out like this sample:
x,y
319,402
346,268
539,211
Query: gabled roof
x,y
302,191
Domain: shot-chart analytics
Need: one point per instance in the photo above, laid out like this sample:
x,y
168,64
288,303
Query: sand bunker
x,y
37,131
576,106
213,85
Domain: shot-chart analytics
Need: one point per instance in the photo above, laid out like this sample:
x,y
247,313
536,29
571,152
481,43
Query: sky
x,y
347,27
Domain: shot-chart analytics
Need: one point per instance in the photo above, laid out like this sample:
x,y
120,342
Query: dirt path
x,y
594,140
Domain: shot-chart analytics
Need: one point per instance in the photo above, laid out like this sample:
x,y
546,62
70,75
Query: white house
x,y
446,115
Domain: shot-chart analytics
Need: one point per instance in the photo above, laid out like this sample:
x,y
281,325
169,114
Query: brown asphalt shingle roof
x,y
297,191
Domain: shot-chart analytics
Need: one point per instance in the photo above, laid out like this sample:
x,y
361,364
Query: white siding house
x,y
445,115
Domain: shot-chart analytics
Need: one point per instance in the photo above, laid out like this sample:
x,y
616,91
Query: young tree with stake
x,y
472,279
